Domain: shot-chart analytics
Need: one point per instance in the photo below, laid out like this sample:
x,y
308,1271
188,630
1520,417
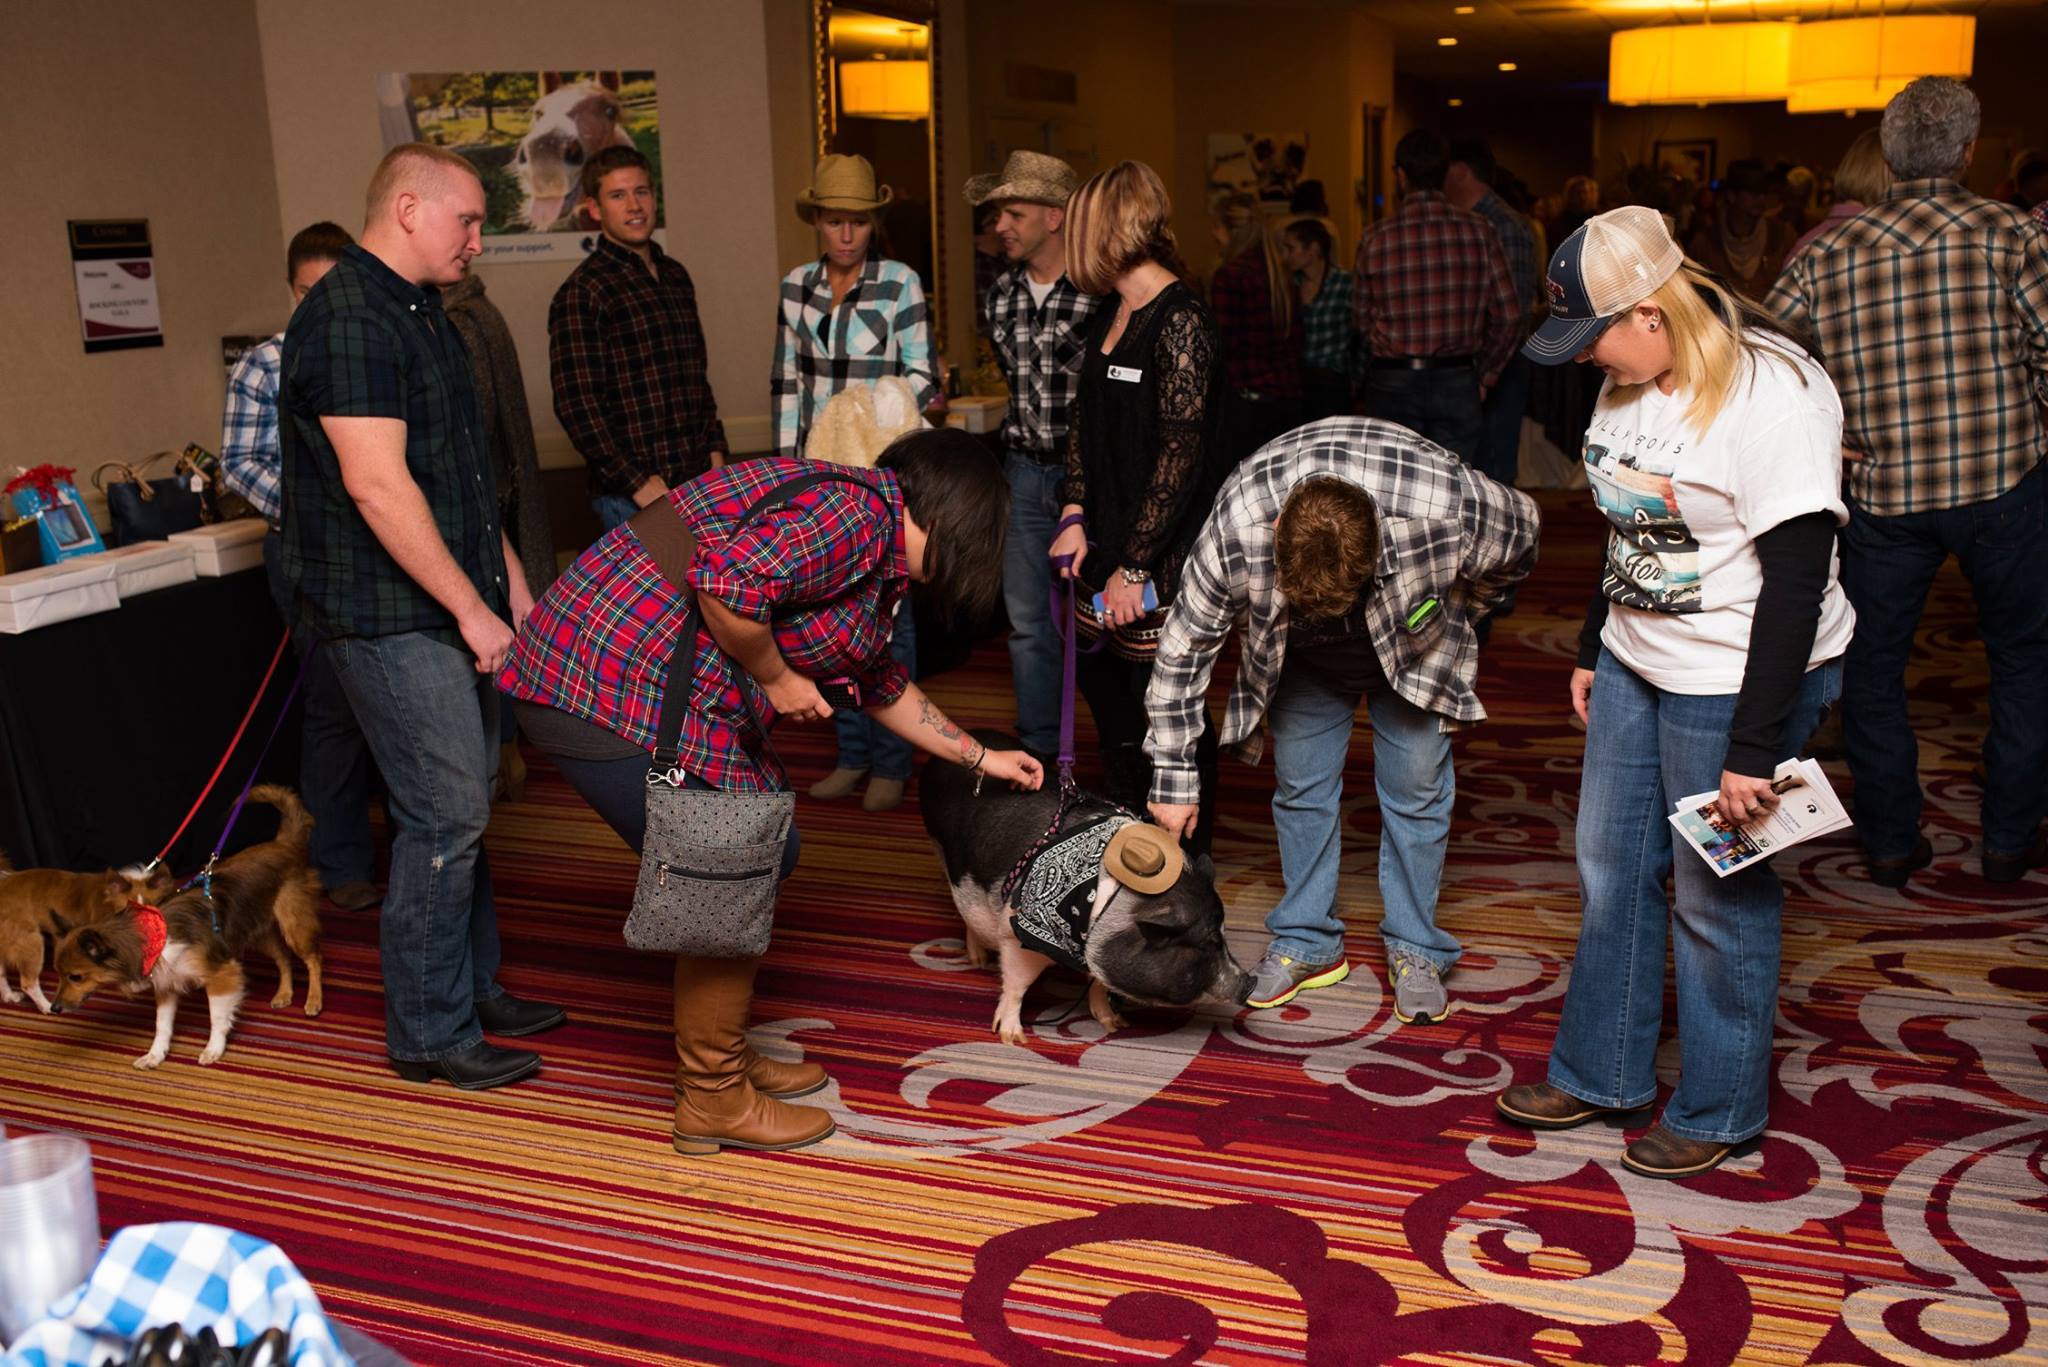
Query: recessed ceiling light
x,y
1455,103
1507,66
1464,9
1447,42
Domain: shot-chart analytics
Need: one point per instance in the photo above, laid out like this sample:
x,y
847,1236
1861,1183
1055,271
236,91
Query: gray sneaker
x,y
1279,978
1418,989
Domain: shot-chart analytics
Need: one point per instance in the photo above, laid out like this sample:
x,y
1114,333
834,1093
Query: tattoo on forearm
x,y
932,717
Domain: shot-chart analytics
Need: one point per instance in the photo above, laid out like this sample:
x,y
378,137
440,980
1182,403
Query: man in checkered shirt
x,y
1436,306
1355,559
1036,321
1932,312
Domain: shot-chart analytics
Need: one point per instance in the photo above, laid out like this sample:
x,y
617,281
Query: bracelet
x,y
976,766
1131,576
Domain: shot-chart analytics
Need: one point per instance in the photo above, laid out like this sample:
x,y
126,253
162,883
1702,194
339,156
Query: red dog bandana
x,y
150,922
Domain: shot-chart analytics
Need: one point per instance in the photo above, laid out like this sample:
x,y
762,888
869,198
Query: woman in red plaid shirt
x,y
803,592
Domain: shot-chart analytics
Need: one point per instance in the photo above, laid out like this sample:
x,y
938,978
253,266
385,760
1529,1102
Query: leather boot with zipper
x,y
716,1103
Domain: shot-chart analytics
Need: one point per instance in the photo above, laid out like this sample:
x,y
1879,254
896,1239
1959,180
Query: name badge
x,y
1126,374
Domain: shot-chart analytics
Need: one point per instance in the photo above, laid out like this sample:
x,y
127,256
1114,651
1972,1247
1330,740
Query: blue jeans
x,y
865,743
1439,405
334,759
1645,749
616,790
1027,592
1888,564
1311,720
1500,451
612,510
432,723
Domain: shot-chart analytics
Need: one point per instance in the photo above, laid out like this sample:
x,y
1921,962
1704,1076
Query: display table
x,y
110,724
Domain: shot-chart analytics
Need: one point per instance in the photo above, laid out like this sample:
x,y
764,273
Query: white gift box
x,y
977,413
57,593
225,547
147,566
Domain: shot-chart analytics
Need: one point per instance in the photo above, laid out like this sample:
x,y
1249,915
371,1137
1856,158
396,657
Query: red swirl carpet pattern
x,y
1316,1184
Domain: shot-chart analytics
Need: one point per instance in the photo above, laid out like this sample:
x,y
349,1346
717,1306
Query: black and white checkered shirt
x,y
1446,533
1040,350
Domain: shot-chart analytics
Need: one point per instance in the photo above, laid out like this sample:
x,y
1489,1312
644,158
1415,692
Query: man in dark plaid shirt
x,y
393,549
626,352
1436,305
1037,322
1932,311
1469,185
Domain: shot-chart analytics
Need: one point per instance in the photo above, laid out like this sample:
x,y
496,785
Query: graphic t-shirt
x,y
1685,508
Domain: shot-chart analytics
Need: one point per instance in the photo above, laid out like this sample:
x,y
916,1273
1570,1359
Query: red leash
x,y
219,768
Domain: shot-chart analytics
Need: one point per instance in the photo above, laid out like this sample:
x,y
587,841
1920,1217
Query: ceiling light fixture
x,y
1507,66
1464,9
1851,64
1699,64
1447,42
1455,103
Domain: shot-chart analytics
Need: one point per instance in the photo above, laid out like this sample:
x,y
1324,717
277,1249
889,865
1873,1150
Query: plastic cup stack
x,y
49,1225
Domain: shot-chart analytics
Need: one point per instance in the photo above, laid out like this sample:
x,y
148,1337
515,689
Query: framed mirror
x,y
876,82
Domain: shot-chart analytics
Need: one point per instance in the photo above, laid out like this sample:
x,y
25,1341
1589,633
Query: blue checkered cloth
x,y
199,1276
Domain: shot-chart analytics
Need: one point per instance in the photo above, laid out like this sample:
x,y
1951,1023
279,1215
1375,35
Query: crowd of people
x,y
1803,407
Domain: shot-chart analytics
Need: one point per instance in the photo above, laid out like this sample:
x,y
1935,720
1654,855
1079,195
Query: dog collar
x,y
150,922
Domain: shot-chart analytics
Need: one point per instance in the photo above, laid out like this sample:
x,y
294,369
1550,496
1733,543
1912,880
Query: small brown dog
x,y
264,897
32,900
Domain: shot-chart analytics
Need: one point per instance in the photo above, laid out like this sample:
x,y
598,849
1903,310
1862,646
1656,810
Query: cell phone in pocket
x,y
841,695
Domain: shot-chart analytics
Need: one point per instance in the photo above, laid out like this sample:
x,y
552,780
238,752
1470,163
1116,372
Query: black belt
x,y
1422,362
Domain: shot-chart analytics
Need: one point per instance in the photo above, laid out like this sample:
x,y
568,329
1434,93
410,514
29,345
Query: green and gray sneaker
x,y
1418,989
1279,978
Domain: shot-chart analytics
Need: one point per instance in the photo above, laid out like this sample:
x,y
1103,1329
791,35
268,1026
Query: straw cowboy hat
x,y
1031,176
844,183
1143,858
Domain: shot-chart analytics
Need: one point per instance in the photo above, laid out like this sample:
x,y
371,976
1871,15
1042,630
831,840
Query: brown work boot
x,y
1661,1153
773,1077
716,1105
1541,1106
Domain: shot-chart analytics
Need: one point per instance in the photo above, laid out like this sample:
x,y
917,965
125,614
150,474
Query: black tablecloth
x,y
110,724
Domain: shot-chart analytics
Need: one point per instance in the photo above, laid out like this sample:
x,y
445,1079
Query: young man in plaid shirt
x,y
393,548
626,353
1357,560
1436,305
1932,311
1037,323
334,760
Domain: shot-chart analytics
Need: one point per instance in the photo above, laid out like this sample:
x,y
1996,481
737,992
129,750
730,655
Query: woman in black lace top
x,y
1143,464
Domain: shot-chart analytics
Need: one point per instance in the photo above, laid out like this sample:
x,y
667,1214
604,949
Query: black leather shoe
x,y
510,1016
1893,873
476,1068
2010,868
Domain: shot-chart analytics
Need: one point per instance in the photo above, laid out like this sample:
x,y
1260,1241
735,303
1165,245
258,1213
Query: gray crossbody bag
x,y
711,861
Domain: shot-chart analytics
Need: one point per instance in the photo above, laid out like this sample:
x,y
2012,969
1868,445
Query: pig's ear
x,y
1205,866
1160,934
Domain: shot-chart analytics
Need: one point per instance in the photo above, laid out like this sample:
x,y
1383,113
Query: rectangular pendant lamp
x,y
885,90
1699,64
1850,64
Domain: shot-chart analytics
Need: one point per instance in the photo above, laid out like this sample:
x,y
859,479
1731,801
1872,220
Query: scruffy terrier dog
x,y
33,900
264,897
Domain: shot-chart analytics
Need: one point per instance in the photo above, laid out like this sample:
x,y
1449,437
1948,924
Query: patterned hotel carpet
x,y
1309,1185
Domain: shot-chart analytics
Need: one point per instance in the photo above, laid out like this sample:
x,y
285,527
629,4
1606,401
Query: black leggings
x,y
1115,689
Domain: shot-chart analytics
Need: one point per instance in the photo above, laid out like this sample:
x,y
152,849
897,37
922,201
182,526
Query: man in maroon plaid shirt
x,y
626,352
1436,305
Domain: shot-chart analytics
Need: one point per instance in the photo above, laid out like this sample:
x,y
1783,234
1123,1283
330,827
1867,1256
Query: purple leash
x,y
1063,617
205,876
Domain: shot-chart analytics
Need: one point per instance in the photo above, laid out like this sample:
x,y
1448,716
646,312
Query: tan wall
x,y
179,138
709,58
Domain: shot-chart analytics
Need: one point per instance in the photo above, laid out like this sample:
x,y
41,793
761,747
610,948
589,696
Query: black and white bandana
x,y
1056,897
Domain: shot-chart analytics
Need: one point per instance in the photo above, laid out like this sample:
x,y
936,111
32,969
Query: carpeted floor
x,y
1315,1184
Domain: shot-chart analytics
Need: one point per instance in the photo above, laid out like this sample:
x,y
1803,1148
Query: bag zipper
x,y
706,875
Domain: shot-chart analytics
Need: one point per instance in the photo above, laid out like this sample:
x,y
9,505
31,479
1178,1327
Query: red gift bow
x,y
44,479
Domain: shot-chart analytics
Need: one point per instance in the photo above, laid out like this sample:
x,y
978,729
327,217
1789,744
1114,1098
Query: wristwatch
x,y
1131,576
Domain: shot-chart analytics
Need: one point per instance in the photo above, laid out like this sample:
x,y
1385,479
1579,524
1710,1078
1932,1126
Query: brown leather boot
x,y
773,1077
715,1103
1541,1106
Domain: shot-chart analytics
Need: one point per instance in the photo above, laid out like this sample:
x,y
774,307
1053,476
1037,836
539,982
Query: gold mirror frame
x,y
910,11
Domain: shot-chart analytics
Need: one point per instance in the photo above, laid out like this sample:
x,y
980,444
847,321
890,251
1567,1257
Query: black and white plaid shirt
x,y
1040,350
1446,533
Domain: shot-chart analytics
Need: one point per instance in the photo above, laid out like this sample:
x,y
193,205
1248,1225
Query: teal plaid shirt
x,y
1932,311
1327,341
367,343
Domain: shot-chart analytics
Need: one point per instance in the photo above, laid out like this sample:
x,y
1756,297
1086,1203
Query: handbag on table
x,y
711,861
151,509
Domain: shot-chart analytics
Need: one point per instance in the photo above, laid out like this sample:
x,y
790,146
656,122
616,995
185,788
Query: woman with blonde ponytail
x,y
1252,296
1711,647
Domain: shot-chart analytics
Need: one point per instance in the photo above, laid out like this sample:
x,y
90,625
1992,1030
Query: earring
x,y
1651,326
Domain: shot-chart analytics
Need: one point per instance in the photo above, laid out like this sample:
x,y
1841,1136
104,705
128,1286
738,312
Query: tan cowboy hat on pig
x,y
1030,176
843,183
